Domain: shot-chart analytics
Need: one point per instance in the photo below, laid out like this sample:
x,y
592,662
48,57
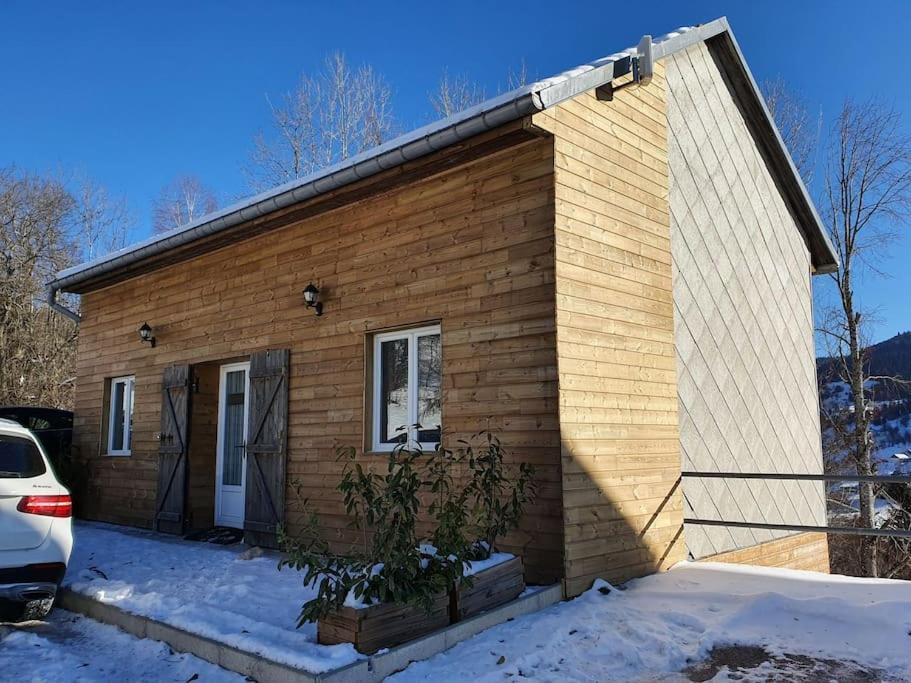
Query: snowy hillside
x,y
889,407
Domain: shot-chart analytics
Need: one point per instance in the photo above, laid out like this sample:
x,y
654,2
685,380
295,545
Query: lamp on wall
x,y
146,336
311,298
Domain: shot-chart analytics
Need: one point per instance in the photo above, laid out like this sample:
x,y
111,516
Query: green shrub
x,y
391,565
498,498
449,507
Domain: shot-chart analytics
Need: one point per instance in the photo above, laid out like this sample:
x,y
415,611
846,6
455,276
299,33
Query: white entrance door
x,y
231,460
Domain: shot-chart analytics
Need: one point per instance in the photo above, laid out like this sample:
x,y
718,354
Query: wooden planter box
x,y
491,587
378,626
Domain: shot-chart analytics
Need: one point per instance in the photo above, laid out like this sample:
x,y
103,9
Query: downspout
x,y
60,308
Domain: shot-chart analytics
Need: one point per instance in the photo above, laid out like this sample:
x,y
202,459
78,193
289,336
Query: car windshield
x,y
19,458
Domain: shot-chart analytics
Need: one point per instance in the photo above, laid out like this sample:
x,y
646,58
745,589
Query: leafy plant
x,y
449,508
499,498
333,575
392,565
386,507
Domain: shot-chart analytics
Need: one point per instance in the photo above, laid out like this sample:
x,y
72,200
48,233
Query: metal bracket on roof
x,y
642,66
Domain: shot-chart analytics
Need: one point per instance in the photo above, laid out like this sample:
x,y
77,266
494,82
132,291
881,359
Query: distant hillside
x,y
891,418
891,358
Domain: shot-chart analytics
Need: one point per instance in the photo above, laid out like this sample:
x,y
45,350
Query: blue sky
x,y
135,94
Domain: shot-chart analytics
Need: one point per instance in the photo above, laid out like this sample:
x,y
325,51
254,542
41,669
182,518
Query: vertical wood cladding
x,y
615,336
471,247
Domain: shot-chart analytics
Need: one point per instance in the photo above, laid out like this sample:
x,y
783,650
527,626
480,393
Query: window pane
x,y
430,388
19,459
235,387
393,390
117,422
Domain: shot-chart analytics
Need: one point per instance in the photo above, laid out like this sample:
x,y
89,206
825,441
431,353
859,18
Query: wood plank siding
x,y
622,506
471,247
808,551
544,252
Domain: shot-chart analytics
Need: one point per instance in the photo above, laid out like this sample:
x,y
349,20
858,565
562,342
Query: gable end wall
x,y
743,319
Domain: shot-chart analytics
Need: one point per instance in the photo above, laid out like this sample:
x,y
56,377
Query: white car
x,y
36,525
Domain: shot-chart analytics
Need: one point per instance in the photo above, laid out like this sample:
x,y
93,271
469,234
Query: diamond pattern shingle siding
x,y
743,317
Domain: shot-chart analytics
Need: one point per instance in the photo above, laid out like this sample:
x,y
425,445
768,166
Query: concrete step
x,y
260,668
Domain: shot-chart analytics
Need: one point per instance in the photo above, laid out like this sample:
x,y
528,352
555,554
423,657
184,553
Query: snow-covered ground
x,y
69,648
664,623
652,630
202,588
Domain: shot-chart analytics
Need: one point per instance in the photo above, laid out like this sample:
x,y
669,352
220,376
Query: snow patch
x,y
658,625
68,648
205,589
475,566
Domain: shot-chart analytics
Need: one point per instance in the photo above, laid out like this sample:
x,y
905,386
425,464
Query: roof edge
x,y
415,145
718,33
483,117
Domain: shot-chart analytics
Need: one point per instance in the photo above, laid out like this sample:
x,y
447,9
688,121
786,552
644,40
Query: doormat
x,y
219,535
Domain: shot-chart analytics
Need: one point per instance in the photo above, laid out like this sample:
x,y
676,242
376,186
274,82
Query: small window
x,y
120,416
407,388
19,458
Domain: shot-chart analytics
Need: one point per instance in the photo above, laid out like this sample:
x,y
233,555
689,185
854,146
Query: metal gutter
x,y
398,152
484,117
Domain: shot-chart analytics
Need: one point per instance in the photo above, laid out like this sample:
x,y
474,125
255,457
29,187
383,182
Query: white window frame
x,y
412,335
128,381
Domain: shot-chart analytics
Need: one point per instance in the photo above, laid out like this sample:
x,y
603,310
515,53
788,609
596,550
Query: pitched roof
x,y
490,114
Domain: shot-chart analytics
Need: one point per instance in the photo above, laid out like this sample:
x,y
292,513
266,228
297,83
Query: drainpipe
x,y
60,308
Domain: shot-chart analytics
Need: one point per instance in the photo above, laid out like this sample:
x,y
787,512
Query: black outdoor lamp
x,y
311,298
146,336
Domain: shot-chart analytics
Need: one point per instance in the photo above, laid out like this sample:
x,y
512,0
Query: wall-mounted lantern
x,y
146,336
311,298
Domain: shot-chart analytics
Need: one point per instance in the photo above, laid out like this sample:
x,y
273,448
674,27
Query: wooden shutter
x,y
267,438
172,450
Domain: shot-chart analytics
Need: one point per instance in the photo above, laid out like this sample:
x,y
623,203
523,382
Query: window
x,y
407,388
120,416
19,458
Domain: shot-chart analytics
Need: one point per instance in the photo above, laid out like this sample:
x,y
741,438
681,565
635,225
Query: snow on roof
x,y
433,137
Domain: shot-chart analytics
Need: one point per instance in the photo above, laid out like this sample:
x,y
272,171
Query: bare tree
x,y
44,227
47,223
182,201
867,194
103,222
798,129
518,77
455,94
330,116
